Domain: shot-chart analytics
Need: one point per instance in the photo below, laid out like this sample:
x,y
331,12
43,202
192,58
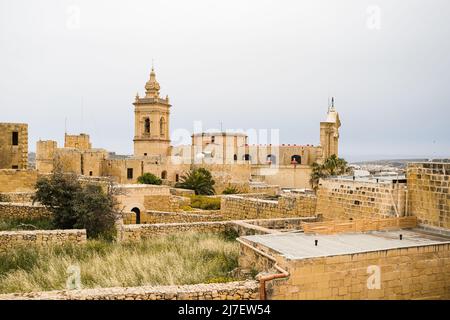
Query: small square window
x,y
15,167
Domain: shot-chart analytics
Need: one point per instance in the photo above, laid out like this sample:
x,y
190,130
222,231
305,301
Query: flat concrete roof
x,y
302,246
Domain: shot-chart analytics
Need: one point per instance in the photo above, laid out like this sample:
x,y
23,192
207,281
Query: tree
x,y
76,205
199,180
149,178
332,166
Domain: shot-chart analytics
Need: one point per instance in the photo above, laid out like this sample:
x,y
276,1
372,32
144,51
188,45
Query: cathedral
x,y
228,155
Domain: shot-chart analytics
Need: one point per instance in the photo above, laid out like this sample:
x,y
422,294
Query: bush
x,y
149,178
205,203
78,206
231,190
200,180
44,223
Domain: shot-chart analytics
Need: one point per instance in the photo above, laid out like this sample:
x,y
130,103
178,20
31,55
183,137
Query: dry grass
x,y
177,259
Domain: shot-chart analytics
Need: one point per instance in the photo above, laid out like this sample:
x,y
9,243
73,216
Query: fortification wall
x,y
339,199
137,232
240,290
238,207
152,216
17,197
17,180
429,193
9,210
11,239
408,273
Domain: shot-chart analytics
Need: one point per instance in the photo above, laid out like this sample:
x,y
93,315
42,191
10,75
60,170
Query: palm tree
x,y
199,180
332,166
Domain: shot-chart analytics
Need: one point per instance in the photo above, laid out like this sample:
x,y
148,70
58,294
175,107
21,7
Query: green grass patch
x,y
26,224
184,258
205,203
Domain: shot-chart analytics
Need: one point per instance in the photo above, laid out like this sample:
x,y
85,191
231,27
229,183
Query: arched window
x,y
296,159
164,174
177,177
271,159
235,157
147,125
161,126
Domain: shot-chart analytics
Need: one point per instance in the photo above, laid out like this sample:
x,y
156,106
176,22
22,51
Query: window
x,y
130,173
90,173
15,138
247,157
271,159
161,126
164,174
15,167
235,157
213,139
147,125
296,159
145,154
177,177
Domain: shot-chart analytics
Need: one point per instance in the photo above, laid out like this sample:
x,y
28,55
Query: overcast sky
x,y
248,64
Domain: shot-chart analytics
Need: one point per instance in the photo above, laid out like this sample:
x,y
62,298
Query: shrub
x,y
74,205
200,180
149,178
231,190
205,203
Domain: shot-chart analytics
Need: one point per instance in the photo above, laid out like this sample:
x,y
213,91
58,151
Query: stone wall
x,y
13,156
238,207
429,193
18,180
339,199
11,239
421,272
152,216
239,290
10,210
137,232
18,197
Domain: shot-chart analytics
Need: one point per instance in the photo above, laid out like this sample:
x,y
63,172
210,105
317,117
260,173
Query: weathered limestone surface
x,y
152,216
136,232
429,193
9,210
18,197
18,180
11,239
238,207
421,272
240,290
339,199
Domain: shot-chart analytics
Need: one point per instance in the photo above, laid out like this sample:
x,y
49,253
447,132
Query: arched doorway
x,y
164,174
138,214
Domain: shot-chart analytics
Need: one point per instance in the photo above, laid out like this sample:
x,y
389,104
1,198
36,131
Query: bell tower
x,y
151,121
329,132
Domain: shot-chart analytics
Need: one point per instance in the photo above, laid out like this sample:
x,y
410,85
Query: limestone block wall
x,y
11,239
339,199
9,210
13,155
238,207
17,180
239,290
421,272
429,193
18,197
152,216
136,232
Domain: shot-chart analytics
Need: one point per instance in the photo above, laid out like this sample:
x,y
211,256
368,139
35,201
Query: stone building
x,y
227,155
13,146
